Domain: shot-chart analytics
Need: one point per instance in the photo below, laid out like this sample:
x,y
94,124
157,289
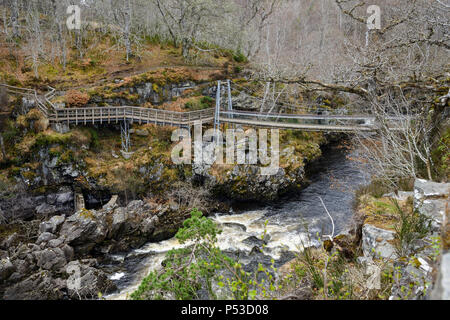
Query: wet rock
x,y
254,241
245,182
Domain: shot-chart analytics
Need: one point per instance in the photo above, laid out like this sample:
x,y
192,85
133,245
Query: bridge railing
x,y
297,118
31,94
135,114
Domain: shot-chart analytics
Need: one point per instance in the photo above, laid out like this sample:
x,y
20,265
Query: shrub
x,y
240,57
187,269
76,99
412,226
204,103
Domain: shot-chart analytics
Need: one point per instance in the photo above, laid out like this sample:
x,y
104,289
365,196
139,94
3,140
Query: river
x,y
291,223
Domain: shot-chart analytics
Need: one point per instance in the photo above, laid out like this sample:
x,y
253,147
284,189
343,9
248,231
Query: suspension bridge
x,y
221,114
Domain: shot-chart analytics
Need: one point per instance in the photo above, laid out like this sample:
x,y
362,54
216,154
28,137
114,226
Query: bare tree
x,y
403,140
60,38
187,20
122,11
15,18
34,45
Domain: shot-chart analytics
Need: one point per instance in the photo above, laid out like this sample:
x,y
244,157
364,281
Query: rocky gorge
x,y
80,222
67,199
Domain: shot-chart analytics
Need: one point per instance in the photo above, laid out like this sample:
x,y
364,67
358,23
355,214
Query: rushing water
x,y
291,223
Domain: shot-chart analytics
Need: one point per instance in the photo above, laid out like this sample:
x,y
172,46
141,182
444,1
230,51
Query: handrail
x,y
295,116
166,117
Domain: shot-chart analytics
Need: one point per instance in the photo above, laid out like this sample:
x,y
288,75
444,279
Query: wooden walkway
x,y
139,115
111,114
133,114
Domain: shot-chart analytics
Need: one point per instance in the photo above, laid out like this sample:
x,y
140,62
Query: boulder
x,y
245,182
86,282
377,242
431,199
429,189
410,282
45,209
83,230
50,259
142,133
10,241
6,269
441,290
38,286
52,225
45,237
64,198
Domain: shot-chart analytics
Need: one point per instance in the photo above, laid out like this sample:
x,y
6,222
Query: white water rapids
x,y
291,223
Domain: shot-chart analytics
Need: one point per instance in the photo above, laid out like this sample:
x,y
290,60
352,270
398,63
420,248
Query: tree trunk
x,y
430,177
186,45
2,147
15,18
127,28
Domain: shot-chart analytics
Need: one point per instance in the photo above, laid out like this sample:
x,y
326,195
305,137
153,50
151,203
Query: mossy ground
x,y
381,212
104,62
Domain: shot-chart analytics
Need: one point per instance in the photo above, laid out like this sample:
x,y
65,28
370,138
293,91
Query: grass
x,y
412,226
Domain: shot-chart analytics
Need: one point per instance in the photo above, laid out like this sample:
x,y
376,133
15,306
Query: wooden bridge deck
x,y
133,114
114,114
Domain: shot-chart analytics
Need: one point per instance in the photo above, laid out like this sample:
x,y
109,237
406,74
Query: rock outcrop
x,y
245,182
413,272
54,267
